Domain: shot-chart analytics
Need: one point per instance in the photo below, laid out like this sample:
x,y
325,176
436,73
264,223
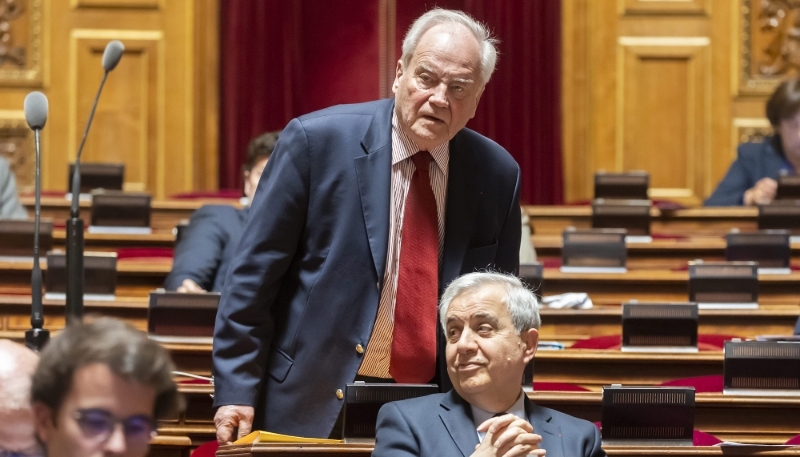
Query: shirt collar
x,y
407,148
480,416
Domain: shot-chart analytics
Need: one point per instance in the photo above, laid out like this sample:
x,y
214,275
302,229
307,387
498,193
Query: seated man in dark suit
x,y
752,178
202,256
10,207
491,325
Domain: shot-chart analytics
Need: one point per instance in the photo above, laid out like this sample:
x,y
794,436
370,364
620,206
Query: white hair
x,y
520,301
438,16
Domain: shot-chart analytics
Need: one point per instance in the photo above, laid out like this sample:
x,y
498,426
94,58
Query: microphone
x,y
74,241
35,107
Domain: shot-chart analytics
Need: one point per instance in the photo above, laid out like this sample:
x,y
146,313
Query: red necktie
x,y
413,357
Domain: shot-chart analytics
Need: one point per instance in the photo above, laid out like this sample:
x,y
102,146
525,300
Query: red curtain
x,y
284,58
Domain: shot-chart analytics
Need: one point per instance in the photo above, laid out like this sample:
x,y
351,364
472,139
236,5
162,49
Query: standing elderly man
x,y
323,291
17,364
491,323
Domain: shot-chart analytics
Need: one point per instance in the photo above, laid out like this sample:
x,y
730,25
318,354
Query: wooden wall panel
x,y
130,105
159,109
663,116
646,85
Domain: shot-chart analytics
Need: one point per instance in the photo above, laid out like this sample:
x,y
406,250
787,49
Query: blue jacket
x,y
442,425
302,292
208,247
754,161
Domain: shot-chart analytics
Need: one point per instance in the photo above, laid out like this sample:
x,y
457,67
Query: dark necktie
x,y
413,357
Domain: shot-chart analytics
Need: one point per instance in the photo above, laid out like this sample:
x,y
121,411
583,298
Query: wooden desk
x,y
763,420
567,325
114,242
552,220
170,446
589,368
166,214
364,450
135,277
15,313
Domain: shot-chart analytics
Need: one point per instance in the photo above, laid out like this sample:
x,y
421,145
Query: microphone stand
x,y
75,244
37,337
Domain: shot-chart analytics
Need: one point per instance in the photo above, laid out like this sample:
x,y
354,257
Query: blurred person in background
x,y
10,207
203,255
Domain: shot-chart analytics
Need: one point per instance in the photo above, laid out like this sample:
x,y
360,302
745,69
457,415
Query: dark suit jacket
x,y
754,161
441,425
208,247
304,287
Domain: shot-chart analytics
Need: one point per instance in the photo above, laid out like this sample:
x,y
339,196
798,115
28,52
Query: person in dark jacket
x,y
752,178
203,255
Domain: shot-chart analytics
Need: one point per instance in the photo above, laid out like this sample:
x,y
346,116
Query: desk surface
x,y
360,450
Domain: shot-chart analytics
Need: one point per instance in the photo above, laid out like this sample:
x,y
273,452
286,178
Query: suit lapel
x,y
463,194
542,425
374,171
456,416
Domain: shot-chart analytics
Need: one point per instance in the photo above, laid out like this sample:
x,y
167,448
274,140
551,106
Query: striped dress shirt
x,y
379,349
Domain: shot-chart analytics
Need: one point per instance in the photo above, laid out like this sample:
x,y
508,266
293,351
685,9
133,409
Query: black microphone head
x,y
35,107
112,54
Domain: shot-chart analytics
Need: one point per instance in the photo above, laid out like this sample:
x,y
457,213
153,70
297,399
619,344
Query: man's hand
x,y
230,417
762,193
189,286
508,436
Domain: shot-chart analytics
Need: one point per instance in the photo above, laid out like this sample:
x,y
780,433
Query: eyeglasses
x,y
99,424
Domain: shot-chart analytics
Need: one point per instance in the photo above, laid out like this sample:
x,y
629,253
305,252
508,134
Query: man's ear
x,y
530,338
398,72
43,420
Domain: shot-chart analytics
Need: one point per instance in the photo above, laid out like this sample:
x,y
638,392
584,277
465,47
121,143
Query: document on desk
x,y
269,437
755,447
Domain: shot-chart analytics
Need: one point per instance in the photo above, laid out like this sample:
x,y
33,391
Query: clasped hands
x,y
762,193
508,436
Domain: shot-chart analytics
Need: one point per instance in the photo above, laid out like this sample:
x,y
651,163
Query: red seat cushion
x,y
144,253
233,194
795,440
704,342
704,439
206,450
701,384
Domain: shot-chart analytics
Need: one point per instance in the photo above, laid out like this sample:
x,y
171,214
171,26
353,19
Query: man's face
x,y
789,130
485,356
97,393
252,177
439,91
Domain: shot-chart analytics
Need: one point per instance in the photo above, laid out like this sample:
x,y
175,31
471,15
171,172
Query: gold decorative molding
x,y
749,130
21,42
769,44
683,7
16,145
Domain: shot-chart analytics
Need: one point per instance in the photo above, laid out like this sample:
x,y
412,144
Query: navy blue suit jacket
x,y
303,290
754,161
208,247
442,425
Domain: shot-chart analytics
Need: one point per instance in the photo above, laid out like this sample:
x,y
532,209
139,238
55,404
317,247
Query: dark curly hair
x,y
128,352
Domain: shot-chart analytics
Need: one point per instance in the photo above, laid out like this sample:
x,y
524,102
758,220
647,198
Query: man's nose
x,y
466,342
439,96
116,442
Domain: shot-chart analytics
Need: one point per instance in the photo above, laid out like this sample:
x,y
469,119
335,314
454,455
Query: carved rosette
x,y
770,44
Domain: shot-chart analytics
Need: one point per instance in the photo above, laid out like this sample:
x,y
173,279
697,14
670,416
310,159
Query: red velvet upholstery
x,y
704,439
206,450
701,384
557,387
704,342
794,441
144,253
551,263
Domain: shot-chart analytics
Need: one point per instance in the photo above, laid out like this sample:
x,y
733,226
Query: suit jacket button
x,y
339,394
359,348
378,285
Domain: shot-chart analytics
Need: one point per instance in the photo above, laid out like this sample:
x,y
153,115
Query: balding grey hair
x,y
521,303
438,16
17,364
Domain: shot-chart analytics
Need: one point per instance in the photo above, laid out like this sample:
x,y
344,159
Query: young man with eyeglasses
x,y
99,389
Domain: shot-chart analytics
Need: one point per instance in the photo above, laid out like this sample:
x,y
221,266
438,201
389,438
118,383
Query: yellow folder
x,y
269,437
